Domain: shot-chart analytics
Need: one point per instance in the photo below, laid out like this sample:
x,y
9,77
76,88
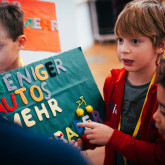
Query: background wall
x,y
74,29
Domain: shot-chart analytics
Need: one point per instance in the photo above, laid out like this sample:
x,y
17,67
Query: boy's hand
x,y
78,143
98,134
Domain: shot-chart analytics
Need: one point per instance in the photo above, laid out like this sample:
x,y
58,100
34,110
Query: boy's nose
x,y
156,115
125,48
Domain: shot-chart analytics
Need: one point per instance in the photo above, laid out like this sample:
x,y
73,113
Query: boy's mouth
x,y
158,127
127,62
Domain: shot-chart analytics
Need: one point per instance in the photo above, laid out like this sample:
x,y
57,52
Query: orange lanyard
x,y
139,120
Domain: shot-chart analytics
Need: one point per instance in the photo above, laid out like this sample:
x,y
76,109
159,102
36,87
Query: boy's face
x,y
136,54
9,54
159,115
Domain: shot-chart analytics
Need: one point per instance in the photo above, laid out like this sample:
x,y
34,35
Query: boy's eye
x,y
163,113
120,40
135,41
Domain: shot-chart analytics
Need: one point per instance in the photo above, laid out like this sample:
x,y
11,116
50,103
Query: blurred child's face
x,y
136,54
159,115
9,56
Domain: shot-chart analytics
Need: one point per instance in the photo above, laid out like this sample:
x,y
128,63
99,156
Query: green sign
x,y
52,95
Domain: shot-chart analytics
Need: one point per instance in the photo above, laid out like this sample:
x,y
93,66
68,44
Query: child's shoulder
x,y
117,72
116,75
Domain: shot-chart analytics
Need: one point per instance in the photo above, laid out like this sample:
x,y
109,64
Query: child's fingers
x,y
76,144
79,142
72,142
92,141
90,137
89,125
88,131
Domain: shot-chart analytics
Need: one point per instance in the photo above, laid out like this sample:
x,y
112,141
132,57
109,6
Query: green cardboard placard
x,y
44,96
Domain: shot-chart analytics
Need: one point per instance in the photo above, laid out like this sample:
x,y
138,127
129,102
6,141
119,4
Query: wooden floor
x,y
101,59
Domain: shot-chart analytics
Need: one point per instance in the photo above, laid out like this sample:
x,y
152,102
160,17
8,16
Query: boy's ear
x,y
161,48
21,40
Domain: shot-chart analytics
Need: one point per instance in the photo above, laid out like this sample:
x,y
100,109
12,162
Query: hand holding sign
x,y
98,133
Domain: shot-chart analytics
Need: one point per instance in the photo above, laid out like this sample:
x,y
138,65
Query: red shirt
x,y
150,148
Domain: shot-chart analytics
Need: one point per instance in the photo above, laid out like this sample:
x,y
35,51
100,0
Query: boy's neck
x,y
17,64
137,78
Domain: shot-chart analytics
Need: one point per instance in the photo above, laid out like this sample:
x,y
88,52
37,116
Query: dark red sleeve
x,y
138,151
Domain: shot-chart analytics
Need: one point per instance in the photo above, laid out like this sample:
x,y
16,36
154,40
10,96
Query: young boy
x,y
159,115
12,39
128,133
